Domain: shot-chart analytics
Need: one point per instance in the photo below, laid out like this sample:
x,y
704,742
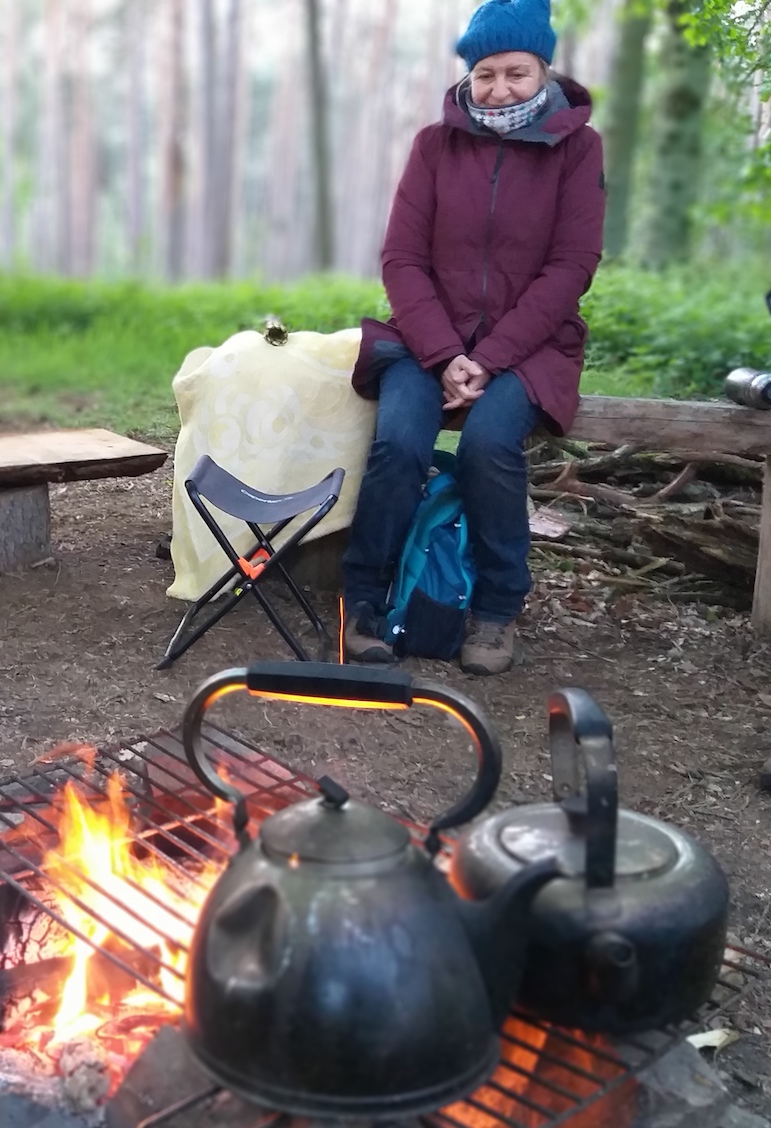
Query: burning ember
x,y
123,906
545,1074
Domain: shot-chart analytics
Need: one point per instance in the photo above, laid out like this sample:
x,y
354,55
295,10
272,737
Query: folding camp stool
x,y
228,494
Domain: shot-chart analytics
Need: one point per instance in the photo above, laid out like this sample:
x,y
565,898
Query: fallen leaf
x,y
66,748
713,1039
549,525
164,697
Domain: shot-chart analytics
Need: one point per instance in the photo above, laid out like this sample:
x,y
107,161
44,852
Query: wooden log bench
x,y
680,427
30,462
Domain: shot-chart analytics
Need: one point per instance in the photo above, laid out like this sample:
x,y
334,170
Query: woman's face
x,y
507,78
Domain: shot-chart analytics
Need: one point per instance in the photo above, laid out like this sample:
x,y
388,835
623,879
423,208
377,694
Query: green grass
x,y
79,354
104,354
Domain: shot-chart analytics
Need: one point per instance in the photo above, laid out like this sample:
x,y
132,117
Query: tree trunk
x,y
677,143
25,519
135,14
62,141
622,119
82,202
227,110
349,109
242,253
373,142
285,243
44,236
208,137
173,164
567,48
382,131
9,84
324,234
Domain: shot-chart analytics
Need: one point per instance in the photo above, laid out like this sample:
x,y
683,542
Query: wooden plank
x,y
73,455
668,425
761,604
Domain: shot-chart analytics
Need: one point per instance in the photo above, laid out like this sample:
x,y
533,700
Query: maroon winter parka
x,y
490,244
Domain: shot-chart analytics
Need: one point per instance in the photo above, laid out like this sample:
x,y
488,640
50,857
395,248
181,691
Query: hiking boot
x,y
362,643
490,648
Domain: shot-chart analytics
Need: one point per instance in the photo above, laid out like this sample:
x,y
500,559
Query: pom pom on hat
x,y
508,25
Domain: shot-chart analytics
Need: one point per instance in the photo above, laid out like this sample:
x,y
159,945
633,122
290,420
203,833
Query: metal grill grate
x,y
175,821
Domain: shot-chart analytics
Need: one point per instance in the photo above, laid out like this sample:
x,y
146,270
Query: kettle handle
x,y
320,683
580,730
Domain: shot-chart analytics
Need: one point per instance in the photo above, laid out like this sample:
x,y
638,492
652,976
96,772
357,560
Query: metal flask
x,y
749,387
334,972
633,935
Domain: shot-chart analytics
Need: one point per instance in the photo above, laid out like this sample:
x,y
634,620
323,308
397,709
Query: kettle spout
x,y
498,929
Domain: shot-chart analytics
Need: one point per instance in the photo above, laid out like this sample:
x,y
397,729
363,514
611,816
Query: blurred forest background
x,y
148,144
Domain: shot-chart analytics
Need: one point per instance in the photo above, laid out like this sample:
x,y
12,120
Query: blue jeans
x,y
492,474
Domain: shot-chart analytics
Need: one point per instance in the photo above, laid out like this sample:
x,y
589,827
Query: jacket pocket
x,y
570,338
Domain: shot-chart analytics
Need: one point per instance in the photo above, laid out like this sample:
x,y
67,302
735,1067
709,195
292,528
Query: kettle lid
x,y
644,846
333,829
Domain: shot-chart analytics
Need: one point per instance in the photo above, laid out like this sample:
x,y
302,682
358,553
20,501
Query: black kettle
x,y
334,972
633,935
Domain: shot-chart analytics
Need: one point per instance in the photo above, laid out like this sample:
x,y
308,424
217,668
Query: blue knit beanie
x,y
508,25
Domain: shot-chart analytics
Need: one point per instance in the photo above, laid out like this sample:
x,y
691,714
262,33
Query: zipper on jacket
x,y
488,237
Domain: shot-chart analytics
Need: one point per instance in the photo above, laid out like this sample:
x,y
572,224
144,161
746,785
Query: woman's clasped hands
x,y
463,382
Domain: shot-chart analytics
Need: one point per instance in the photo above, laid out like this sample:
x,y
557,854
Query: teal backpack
x,y
435,576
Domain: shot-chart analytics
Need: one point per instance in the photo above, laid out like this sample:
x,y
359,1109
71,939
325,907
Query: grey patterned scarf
x,y
506,119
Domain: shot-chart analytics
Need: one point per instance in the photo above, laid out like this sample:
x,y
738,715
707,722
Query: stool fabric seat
x,y
239,500
209,482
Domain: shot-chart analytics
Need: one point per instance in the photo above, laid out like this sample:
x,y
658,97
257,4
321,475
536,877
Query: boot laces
x,y
367,621
483,632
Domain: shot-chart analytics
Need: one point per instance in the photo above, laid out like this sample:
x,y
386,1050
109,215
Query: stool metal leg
x,y
183,638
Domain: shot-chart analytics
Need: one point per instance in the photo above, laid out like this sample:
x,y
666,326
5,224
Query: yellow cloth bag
x,y
279,418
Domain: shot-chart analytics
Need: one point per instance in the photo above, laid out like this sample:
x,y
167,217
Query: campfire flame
x,y
115,902
127,898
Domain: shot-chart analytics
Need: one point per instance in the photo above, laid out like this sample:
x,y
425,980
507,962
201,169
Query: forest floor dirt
x,y
688,691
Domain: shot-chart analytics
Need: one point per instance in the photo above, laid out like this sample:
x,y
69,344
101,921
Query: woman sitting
x,y
495,233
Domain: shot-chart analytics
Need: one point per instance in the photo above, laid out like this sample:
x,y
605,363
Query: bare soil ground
x,y
688,689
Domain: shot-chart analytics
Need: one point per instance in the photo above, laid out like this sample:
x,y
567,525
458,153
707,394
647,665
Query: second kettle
x,y
632,936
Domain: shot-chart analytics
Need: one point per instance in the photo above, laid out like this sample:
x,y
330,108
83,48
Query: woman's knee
x,y
404,453
502,441
489,464
500,421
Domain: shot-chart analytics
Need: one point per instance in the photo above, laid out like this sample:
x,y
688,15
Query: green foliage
x,y
88,354
679,332
573,15
736,191
739,34
733,214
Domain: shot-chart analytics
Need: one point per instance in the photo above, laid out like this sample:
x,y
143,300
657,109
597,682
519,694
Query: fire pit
x,y
105,860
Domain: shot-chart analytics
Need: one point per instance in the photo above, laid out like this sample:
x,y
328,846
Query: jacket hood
x,y
569,108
